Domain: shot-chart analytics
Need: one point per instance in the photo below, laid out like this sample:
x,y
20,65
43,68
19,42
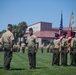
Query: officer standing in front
x,y
73,50
32,44
56,50
8,40
64,50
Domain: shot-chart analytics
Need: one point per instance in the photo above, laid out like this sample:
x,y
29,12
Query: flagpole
x,y
61,29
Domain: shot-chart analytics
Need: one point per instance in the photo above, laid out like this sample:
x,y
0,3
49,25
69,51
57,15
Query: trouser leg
x,y
7,59
57,57
34,63
54,57
62,57
32,57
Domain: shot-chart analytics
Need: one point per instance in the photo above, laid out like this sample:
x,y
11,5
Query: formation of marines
x,y
61,50
59,53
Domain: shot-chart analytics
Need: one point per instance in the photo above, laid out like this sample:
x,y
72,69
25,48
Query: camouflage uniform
x,y
56,51
31,41
23,47
51,47
64,50
15,48
42,48
73,50
0,44
6,38
48,47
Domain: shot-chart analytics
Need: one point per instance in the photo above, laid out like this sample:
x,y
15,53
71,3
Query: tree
x,y
18,30
15,29
3,31
22,28
0,34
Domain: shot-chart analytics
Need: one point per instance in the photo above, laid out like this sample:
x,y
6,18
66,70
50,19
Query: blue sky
x,y
32,11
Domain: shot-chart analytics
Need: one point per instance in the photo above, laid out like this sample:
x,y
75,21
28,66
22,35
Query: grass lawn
x,y
20,66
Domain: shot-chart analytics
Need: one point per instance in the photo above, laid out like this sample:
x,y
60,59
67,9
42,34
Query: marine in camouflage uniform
x,y
64,44
73,50
56,50
0,44
23,47
32,44
48,47
42,48
8,40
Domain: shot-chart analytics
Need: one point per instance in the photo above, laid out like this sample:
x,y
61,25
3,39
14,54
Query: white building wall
x,y
36,27
40,41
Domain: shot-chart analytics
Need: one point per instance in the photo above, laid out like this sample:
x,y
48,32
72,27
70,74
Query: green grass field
x,y
20,66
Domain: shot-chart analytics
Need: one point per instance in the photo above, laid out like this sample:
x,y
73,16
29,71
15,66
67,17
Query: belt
x,y
56,48
30,47
6,43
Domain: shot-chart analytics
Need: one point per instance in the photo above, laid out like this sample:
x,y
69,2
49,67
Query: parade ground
x,y
20,65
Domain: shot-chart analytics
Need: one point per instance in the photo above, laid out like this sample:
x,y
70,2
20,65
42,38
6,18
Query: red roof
x,y
44,34
65,28
48,34
74,29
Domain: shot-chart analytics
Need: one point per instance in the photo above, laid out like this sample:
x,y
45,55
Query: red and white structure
x,y
44,31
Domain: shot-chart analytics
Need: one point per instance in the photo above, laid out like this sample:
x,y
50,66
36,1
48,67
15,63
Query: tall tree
x,y
3,31
15,31
22,27
15,28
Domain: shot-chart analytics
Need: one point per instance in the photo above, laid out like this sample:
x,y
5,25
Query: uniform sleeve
x,y
27,40
62,42
73,39
72,42
67,41
12,37
59,40
36,39
53,41
2,38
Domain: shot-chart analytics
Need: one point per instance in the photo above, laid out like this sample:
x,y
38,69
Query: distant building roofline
x,y
39,22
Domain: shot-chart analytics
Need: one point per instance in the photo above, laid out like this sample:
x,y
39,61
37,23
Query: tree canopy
x,y
20,29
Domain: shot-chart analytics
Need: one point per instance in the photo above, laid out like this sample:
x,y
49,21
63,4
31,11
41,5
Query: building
x,y
40,26
44,32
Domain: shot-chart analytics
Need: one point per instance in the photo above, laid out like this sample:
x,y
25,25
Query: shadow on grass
x,y
18,69
1,67
41,67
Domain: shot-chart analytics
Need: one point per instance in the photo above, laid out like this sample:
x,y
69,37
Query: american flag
x,y
70,29
61,27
